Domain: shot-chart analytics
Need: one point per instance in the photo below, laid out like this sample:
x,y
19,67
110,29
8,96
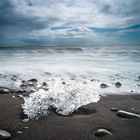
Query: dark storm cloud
x,y
106,8
39,20
120,7
8,17
12,22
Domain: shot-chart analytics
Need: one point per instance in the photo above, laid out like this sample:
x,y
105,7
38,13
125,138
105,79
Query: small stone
x,y
63,83
33,80
138,77
114,109
15,76
26,127
13,96
23,86
14,79
104,85
31,85
24,82
101,132
25,120
125,114
4,90
44,84
4,134
19,132
20,91
118,84
21,96
46,89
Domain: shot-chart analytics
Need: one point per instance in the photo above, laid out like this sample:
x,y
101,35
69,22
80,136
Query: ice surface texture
x,y
65,98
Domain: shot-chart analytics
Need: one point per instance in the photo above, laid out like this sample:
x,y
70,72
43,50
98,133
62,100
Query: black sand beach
x,y
70,70
80,126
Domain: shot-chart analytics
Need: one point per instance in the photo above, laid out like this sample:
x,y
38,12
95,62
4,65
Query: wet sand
x,y
79,126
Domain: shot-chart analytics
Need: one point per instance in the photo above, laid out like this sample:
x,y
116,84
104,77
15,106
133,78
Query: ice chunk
x,y
65,98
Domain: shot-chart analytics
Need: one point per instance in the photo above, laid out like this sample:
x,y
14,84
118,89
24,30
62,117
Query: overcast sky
x,y
69,22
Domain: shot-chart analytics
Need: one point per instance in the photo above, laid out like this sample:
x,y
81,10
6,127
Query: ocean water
x,y
73,74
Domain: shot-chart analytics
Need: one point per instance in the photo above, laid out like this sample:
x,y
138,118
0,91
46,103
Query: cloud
x,y
56,19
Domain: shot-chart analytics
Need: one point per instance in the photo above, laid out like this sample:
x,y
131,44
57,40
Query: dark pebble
x,y
19,132
13,79
63,83
102,132
23,86
25,120
4,90
104,85
31,85
4,135
44,84
24,82
118,84
114,109
33,80
125,114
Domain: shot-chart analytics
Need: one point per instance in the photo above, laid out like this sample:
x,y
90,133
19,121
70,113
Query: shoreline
x,y
81,125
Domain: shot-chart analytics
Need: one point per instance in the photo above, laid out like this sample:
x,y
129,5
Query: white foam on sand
x,y
64,97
